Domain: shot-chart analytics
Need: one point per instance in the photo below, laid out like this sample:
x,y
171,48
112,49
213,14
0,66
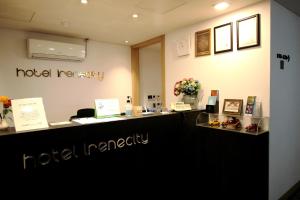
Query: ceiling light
x,y
84,1
126,41
51,49
221,6
135,15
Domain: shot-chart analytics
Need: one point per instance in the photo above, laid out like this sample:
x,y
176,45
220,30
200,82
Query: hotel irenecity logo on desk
x,y
48,73
91,150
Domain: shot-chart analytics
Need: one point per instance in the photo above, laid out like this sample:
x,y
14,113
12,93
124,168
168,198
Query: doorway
x,y
140,80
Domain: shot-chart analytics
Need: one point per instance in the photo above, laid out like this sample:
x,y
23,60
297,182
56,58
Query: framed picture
x,y
202,43
233,106
223,38
248,32
183,46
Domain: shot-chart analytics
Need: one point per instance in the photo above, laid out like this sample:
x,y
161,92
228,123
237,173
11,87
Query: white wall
x,y
63,96
150,73
285,95
236,74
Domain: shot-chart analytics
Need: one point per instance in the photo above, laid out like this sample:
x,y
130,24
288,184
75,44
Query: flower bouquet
x,y
187,87
6,105
6,110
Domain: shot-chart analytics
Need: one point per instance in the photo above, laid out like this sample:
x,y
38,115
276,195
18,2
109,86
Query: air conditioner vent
x,y
44,49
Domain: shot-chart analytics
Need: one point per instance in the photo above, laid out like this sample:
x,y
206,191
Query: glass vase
x,y
192,100
3,124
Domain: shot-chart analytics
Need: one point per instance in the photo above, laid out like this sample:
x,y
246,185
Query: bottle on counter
x,y
128,106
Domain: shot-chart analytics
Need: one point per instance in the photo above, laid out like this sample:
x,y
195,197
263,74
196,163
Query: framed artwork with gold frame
x,y
202,43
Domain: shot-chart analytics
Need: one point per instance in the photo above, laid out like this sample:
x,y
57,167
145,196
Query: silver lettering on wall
x,y
47,73
33,73
75,151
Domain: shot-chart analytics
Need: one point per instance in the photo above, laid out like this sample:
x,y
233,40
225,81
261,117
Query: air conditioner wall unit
x,y
44,49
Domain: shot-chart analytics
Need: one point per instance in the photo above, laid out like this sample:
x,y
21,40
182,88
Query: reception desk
x,y
155,142
223,164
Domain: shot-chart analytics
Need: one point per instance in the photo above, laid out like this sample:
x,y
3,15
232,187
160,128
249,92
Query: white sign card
x,y
107,107
29,114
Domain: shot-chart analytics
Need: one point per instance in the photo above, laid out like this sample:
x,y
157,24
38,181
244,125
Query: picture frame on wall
x,y
202,43
233,106
248,32
183,46
223,38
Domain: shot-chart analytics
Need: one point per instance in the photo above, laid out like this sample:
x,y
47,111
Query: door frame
x,y
135,68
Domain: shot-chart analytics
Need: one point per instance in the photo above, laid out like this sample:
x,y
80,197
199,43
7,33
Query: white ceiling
x,y
109,20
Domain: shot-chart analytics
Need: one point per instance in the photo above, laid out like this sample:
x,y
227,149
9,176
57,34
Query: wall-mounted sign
x,y
183,46
47,73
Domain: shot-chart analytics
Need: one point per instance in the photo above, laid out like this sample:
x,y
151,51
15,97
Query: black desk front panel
x,y
151,142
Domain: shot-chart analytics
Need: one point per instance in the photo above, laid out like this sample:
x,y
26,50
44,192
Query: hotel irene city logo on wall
x,y
48,73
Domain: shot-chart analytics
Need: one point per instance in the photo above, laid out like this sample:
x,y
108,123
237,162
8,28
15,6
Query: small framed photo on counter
x,y
233,106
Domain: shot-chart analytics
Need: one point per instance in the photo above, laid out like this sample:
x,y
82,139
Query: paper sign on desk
x,y
29,114
60,123
180,106
91,120
107,107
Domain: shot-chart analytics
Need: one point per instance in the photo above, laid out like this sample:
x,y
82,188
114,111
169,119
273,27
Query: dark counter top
x,y
11,130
